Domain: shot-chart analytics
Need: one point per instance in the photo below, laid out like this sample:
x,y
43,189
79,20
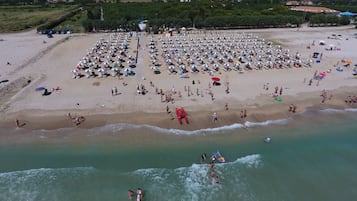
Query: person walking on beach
x,y
226,106
276,90
114,91
168,109
310,82
17,122
214,117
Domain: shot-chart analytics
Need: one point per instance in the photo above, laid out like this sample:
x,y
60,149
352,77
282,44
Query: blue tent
x,y
347,13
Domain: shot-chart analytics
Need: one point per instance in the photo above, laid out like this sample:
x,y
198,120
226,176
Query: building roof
x,y
313,9
292,3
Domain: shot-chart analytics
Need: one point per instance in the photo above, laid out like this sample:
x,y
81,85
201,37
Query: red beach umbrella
x,y
216,79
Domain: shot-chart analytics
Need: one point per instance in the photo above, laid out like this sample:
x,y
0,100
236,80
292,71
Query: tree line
x,y
201,14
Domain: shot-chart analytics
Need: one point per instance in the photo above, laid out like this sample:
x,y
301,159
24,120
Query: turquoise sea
x,y
312,156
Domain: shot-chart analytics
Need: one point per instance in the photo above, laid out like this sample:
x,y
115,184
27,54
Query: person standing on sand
x,y
114,91
226,106
17,122
168,109
214,117
310,82
267,87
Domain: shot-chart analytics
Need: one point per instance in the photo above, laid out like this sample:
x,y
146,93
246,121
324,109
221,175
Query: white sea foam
x,y
115,128
266,123
351,109
194,182
332,110
190,183
119,127
34,172
30,184
250,160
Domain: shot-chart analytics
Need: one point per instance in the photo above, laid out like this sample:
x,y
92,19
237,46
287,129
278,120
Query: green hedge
x,y
53,23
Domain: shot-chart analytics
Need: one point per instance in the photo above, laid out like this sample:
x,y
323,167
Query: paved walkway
x,y
141,56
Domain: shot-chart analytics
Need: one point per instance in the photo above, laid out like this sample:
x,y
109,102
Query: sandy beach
x,y
29,61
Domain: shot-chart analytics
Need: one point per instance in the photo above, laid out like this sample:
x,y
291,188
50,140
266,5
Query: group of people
x,y
140,89
76,119
212,173
292,108
351,99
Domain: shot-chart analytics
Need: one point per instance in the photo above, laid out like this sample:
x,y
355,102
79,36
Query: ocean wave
x,y
253,160
120,127
194,183
333,110
200,131
33,184
351,109
34,172
266,123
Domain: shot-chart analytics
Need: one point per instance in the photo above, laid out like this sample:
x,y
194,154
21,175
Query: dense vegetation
x,y
198,13
22,17
85,15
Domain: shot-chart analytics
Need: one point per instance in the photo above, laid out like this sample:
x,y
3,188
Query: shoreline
x,y
100,108
200,118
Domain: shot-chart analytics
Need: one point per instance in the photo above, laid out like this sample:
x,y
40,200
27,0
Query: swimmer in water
x,y
131,194
203,157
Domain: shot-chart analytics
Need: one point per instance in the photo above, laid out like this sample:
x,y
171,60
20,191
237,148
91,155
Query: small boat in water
x,y
217,156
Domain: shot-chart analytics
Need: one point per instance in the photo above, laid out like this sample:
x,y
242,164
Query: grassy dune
x,y
20,18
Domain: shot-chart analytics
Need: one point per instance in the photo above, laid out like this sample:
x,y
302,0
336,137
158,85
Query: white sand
x,y
51,67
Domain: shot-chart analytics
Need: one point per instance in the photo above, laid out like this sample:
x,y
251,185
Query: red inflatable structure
x,y
181,114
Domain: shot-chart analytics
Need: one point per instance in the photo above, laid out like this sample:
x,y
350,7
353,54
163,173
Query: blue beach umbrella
x,y
40,88
347,13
